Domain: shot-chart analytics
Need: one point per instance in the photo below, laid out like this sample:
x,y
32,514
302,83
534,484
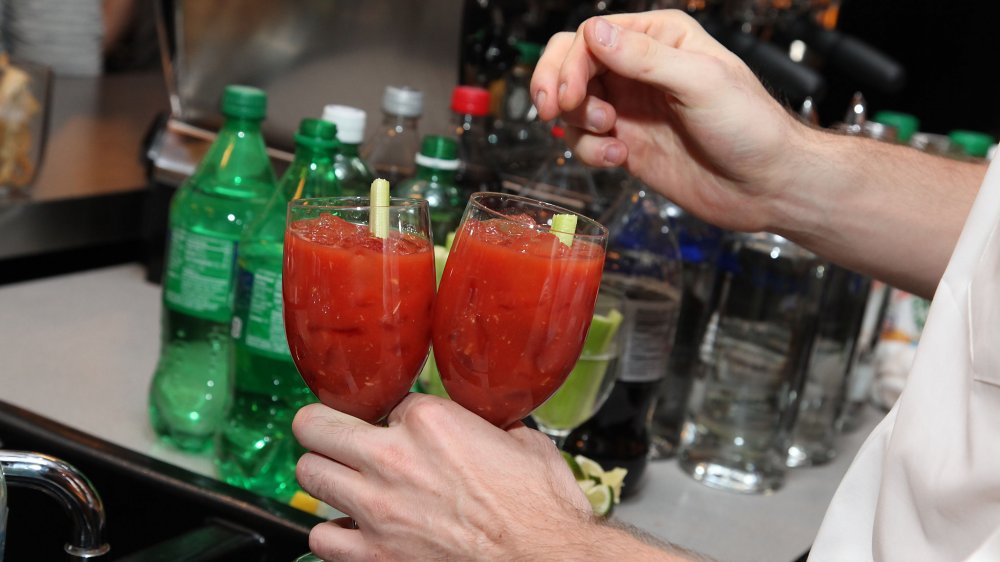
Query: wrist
x,y
812,172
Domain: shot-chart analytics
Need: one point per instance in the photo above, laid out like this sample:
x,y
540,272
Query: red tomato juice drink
x,y
513,309
357,312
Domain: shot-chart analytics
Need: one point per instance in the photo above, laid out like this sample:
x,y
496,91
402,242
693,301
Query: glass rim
x,y
556,209
353,202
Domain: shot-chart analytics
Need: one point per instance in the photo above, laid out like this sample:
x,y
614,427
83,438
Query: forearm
x,y
888,211
607,540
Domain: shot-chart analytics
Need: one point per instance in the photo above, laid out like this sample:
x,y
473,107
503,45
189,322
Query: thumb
x,y
662,57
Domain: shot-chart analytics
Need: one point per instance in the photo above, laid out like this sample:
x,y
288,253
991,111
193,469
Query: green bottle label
x,y
199,279
258,322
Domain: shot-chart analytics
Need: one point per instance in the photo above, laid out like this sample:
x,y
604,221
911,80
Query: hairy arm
x,y
888,211
653,92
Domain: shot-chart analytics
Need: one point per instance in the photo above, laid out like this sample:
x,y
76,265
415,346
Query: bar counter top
x,y
81,349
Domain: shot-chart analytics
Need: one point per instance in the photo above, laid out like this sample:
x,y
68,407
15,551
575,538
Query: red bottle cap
x,y
470,100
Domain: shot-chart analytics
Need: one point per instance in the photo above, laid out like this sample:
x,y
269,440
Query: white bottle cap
x,y
350,122
403,101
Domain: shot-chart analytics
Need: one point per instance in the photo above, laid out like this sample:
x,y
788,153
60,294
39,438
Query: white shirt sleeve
x,y
926,483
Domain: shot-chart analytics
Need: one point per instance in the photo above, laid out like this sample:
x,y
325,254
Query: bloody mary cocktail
x,y
357,312
512,313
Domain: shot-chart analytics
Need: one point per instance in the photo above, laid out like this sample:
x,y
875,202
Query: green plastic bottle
x,y
354,174
190,392
437,163
256,449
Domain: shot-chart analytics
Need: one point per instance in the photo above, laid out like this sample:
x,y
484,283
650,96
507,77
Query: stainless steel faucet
x,y
70,488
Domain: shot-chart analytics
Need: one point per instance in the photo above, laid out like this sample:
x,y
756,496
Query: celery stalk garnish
x,y
378,213
564,227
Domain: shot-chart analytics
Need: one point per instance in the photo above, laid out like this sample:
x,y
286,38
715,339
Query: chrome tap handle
x,y
68,486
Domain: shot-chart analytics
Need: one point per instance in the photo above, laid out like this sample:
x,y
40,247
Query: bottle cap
x,y
350,122
316,133
904,123
403,101
933,143
470,100
528,52
438,152
974,143
244,101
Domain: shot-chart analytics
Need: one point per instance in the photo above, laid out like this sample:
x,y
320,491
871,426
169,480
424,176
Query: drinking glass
x,y
358,307
589,383
514,304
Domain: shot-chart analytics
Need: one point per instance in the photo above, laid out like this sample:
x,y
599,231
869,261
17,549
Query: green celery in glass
x,y
255,448
354,174
190,391
437,163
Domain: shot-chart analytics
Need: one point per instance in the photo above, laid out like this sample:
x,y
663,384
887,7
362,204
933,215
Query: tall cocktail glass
x,y
514,304
358,307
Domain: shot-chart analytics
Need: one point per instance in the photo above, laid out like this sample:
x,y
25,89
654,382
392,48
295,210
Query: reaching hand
x,y
439,483
654,92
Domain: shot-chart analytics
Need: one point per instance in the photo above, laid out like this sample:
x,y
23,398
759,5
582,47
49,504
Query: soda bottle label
x,y
648,339
199,275
258,322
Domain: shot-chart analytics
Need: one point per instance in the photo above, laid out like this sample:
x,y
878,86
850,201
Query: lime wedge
x,y
573,465
601,499
615,478
591,469
586,484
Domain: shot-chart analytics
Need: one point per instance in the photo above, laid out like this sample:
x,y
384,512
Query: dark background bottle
x,y
643,268
470,108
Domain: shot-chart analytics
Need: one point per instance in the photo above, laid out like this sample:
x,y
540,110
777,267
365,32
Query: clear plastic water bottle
x,y
391,149
353,173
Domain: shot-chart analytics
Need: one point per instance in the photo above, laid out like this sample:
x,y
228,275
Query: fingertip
x,y
602,32
615,152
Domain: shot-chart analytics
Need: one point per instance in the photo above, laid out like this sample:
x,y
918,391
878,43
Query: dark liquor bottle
x,y
643,268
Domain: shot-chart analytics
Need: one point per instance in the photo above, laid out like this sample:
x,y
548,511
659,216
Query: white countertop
x,y
81,349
